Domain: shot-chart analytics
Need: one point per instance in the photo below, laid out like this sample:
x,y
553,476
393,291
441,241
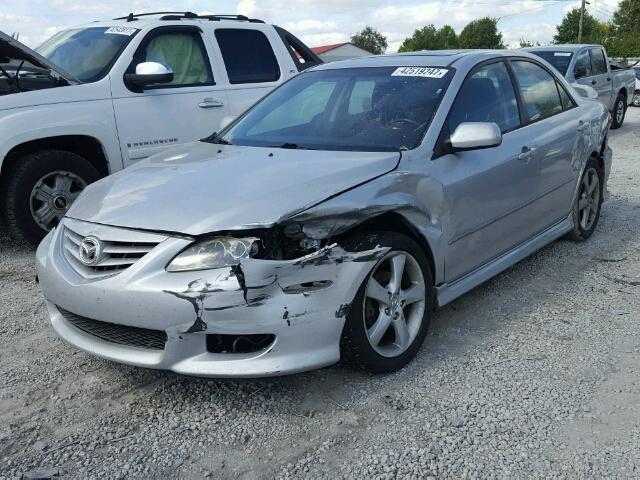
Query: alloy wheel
x,y
394,303
589,200
53,195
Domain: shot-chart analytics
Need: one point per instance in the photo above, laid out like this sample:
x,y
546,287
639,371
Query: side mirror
x,y
585,91
149,73
475,135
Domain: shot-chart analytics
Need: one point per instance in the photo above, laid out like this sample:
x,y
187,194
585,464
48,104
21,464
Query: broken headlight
x,y
214,253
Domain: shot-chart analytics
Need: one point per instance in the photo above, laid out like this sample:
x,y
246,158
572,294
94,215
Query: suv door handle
x,y
211,103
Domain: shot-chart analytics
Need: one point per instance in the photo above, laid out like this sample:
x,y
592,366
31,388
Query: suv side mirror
x,y
149,73
475,135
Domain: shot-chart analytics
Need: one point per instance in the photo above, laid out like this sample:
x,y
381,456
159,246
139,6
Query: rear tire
x,y
588,203
382,336
619,111
41,189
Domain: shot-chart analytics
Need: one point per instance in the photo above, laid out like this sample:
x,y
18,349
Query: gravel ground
x,y
534,374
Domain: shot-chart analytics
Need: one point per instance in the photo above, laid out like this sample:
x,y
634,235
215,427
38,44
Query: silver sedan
x,y
331,219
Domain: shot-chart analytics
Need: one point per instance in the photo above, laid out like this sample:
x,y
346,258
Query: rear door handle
x,y
211,103
526,154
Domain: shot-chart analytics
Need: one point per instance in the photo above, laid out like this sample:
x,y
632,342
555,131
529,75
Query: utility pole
x,y
581,21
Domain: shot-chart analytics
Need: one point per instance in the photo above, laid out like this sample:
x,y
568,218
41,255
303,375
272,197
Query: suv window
x,y
247,55
486,96
539,90
184,52
599,63
583,65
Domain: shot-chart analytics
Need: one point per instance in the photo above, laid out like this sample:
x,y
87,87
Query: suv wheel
x,y
586,210
619,111
390,315
41,189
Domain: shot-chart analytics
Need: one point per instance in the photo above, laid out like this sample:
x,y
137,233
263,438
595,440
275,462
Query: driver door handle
x,y
526,154
211,103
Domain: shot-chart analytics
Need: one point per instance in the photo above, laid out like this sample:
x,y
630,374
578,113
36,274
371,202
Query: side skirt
x,y
450,291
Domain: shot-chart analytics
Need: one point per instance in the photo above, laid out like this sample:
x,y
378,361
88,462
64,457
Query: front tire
x,y
390,315
619,111
41,189
588,204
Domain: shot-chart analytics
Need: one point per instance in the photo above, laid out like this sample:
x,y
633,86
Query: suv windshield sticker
x,y
428,72
561,54
128,31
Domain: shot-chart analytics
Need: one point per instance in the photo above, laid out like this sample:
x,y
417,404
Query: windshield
x,y
87,53
560,60
357,109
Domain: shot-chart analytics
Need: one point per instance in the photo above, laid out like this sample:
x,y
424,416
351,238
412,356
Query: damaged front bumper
x,y
299,306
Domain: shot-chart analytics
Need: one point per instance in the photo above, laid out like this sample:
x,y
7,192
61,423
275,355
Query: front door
x,y
486,191
189,108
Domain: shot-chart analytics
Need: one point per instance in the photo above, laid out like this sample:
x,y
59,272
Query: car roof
x,y
424,58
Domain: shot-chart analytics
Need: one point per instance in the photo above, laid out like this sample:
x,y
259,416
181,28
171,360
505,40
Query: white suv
x,y
94,99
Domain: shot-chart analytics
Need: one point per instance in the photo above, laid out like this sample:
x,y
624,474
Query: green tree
x,y
430,38
624,40
593,30
528,43
371,40
482,33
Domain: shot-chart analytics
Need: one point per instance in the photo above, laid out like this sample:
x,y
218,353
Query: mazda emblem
x,y
89,250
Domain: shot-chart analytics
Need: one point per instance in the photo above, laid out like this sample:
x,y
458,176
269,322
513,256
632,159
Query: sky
x,y
316,22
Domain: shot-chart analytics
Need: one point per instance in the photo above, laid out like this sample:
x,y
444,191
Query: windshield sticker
x,y
427,72
561,54
128,31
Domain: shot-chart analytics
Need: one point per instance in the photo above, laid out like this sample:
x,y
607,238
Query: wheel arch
x,y
393,221
88,147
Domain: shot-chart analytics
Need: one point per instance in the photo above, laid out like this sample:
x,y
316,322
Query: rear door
x,y
254,61
559,127
603,82
191,107
487,190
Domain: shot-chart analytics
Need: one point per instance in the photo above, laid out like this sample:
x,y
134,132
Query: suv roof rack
x,y
132,17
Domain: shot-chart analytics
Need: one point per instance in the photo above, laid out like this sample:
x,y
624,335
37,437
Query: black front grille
x,y
120,334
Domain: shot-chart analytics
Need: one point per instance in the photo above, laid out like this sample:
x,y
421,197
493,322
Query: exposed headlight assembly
x,y
214,253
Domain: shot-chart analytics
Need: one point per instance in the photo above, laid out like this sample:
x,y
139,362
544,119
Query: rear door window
x,y
248,56
598,61
539,90
582,67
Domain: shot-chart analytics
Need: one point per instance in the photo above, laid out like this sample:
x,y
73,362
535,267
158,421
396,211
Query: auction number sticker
x,y
561,54
427,72
128,31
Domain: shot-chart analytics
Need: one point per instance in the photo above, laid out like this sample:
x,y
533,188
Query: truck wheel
x,y
636,99
41,189
619,111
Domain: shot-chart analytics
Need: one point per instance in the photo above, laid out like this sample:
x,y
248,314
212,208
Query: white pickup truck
x,y
589,65
94,99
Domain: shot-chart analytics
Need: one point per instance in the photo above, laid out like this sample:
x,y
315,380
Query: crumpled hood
x,y
201,188
12,53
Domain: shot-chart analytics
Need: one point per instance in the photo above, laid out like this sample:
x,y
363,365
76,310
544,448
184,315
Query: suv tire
x,y
42,187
